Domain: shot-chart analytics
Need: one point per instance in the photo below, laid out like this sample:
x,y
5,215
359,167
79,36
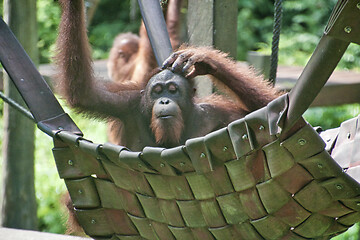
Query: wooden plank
x,y
343,87
225,26
260,62
212,23
200,31
16,234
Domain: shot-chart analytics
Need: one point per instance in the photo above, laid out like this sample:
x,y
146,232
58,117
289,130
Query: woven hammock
x,y
269,175
236,183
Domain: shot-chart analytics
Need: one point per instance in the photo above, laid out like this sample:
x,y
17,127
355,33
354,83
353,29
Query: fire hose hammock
x,y
269,175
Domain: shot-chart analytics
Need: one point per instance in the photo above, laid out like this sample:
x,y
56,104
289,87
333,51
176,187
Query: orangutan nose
x,y
164,101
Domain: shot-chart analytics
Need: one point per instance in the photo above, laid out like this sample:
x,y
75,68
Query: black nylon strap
x,y
156,29
22,71
31,85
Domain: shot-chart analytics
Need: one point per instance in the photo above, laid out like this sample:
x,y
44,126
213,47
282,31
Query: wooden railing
x,y
343,87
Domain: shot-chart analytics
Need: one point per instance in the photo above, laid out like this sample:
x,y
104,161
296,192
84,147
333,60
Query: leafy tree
x,y
48,14
110,19
303,24
255,20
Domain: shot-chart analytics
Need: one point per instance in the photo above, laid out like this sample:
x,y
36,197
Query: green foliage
x,y
110,19
306,15
351,234
48,15
255,20
296,48
102,36
351,58
302,26
331,117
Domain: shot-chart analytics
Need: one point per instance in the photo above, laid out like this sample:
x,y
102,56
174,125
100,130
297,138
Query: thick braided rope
x,y
275,39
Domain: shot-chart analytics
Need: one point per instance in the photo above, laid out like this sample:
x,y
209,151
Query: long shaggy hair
x,y
168,131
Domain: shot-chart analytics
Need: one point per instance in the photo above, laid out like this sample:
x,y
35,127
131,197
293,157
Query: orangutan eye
x,y
157,89
172,88
121,54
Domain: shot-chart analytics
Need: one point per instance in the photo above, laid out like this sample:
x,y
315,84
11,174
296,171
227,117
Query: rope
x,y
17,106
275,39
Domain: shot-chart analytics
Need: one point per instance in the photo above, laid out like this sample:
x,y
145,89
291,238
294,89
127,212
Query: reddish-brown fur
x,y
169,132
121,62
143,125
253,91
131,59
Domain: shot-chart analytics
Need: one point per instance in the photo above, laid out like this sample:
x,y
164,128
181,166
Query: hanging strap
x,y
46,110
333,44
156,29
314,76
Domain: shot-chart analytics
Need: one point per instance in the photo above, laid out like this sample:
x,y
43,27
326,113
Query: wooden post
x,y
91,6
261,63
212,23
18,203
